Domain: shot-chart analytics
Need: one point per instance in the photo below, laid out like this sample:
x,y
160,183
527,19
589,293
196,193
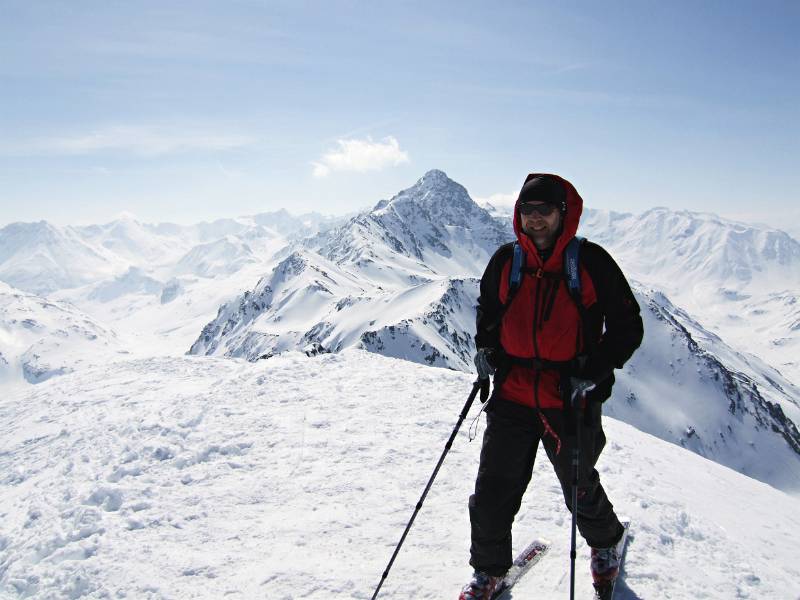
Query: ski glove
x,y
485,369
483,363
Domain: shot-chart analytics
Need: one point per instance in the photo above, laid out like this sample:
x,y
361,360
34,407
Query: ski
x,y
606,591
522,564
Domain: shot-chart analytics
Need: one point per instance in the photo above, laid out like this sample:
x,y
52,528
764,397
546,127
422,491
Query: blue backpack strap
x,y
571,266
514,281
515,276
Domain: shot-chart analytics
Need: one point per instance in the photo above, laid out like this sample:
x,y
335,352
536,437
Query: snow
x,y
41,338
130,470
200,477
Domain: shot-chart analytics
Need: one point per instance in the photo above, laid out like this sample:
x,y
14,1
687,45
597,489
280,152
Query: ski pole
x,y
576,449
475,388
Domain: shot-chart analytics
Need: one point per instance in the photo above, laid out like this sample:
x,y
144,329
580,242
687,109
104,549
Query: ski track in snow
x,y
198,477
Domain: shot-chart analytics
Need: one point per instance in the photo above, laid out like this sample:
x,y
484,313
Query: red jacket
x,y
543,321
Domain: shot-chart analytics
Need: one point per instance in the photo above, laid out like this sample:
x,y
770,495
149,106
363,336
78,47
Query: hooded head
x,y
544,188
550,189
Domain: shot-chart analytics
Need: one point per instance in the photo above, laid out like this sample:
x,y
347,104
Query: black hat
x,y
544,189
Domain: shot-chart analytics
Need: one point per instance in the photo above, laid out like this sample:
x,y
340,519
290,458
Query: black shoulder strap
x,y
514,282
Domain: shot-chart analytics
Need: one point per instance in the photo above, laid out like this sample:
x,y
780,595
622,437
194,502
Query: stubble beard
x,y
543,239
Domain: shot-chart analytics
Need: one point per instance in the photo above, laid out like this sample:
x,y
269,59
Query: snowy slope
x,y
293,477
686,386
40,338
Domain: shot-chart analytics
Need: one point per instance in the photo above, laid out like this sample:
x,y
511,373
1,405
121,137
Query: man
x,y
543,346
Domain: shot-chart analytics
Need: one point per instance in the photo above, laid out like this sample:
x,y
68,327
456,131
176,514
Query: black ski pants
x,y
509,449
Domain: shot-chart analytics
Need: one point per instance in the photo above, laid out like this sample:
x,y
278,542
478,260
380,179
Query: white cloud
x,y
138,140
360,156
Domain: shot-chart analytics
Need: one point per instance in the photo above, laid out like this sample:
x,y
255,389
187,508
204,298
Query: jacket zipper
x,y
538,281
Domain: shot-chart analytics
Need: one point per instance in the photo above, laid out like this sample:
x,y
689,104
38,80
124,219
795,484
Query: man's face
x,y
541,228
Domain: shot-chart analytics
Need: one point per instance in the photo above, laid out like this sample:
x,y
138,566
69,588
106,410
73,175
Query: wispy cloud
x,y
137,140
360,156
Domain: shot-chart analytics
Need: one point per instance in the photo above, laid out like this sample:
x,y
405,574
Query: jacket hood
x,y
569,226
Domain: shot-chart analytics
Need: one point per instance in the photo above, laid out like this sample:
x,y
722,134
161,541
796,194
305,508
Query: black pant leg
x,y
597,522
507,456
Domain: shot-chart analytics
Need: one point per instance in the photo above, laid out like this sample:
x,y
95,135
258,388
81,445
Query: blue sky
x,y
188,111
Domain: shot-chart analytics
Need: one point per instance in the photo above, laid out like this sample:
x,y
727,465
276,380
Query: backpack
x,y
571,274
571,271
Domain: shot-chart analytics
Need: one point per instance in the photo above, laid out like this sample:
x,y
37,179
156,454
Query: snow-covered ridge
x,y
686,386
201,478
311,304
41,338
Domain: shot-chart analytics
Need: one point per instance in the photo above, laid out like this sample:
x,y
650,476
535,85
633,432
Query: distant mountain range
x,y
716,373
42,258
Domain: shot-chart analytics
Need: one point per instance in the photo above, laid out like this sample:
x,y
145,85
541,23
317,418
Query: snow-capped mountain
x,y
44,258
298,292
138,244
741,281
223,256
673,248
197,477
41,258
133,281
155,285
398,279
297,226
41,338
430,230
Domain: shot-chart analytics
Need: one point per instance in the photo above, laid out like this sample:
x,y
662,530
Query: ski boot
x,y
482,587
605,568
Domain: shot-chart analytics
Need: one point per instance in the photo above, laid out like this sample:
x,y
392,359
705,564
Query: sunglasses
x,y
543,209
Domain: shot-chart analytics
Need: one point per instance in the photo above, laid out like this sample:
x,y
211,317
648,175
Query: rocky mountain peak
x,y
439,199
